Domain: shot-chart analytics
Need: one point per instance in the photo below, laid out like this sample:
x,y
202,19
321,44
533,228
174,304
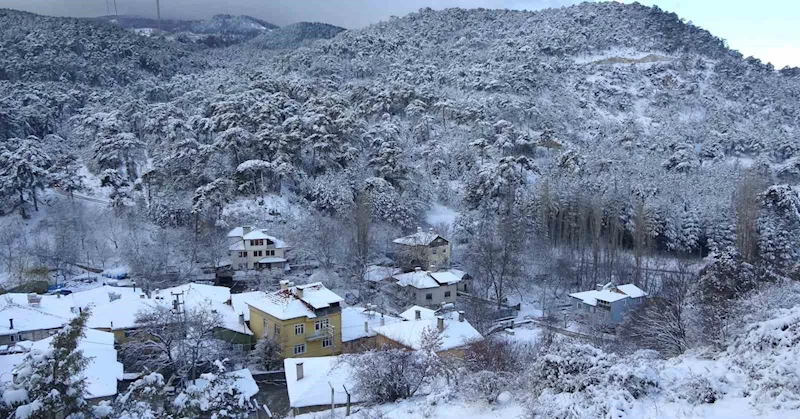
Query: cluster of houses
x,y
309,321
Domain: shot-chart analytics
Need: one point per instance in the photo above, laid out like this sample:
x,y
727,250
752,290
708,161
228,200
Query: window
x,y
434,251
321,324
264,325
444,250
242,254
259,242
429,296
300,349
299,329
277,330
327,343
446,294
258,253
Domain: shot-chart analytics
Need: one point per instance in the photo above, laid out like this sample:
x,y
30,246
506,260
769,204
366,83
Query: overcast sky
x,y
767,29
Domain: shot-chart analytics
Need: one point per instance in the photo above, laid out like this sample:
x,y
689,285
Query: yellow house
x,y
305,319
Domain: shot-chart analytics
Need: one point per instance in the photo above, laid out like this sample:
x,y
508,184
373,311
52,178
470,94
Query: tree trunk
x,y
22,204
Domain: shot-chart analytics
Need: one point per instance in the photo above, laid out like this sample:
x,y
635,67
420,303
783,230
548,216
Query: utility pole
x,y
158,14
178,310
332,335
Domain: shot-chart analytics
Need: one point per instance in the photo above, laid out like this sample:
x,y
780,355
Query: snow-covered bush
x,y
595,383
390,374
769,353
266,355
697,389
485,385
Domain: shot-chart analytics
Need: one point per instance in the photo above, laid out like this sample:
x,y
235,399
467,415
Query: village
x,y
297,332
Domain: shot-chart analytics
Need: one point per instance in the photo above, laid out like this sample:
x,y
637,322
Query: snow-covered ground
x,y
441,215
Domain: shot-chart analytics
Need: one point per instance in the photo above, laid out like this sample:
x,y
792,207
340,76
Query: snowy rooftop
x,y
410,333
237,246
458,273
353,319
425,279
319,375
420,238
285,304
376,273
609,293
425,313
239,302
416,279
445,278
632,290
54,311
253,234
103,370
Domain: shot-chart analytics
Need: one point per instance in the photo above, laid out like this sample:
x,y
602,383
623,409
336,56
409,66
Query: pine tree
x,y
266,355
53,379
24,169
214,395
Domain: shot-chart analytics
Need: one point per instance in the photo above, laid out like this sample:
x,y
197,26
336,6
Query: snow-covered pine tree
x,y
779,226
52,381
266,356
24,169
214,395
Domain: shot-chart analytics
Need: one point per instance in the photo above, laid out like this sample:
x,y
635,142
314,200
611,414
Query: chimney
x,y
246,230
430,230
299,369
241,318
599,287
419,229
433,267
417,269
112,325
383,321
284,284
10,323
461,315
298,292
141,296
134,286
80,310
366,327
440,323
417,314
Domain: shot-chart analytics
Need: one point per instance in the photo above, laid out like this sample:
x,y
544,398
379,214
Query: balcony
x,y
319,335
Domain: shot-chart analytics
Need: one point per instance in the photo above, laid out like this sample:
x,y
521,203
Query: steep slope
x,y
623,106
295,35
42,48
218,31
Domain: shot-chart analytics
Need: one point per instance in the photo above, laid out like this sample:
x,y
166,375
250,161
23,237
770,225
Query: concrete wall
x,y
437,295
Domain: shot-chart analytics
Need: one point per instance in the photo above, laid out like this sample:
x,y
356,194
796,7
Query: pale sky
x,y
768,29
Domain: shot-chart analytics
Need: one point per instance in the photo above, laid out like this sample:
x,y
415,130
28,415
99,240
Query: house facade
x,y
427,288
423,248
305,319
609,303
253,248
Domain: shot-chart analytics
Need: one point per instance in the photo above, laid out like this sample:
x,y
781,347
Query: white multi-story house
x,y
253,248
